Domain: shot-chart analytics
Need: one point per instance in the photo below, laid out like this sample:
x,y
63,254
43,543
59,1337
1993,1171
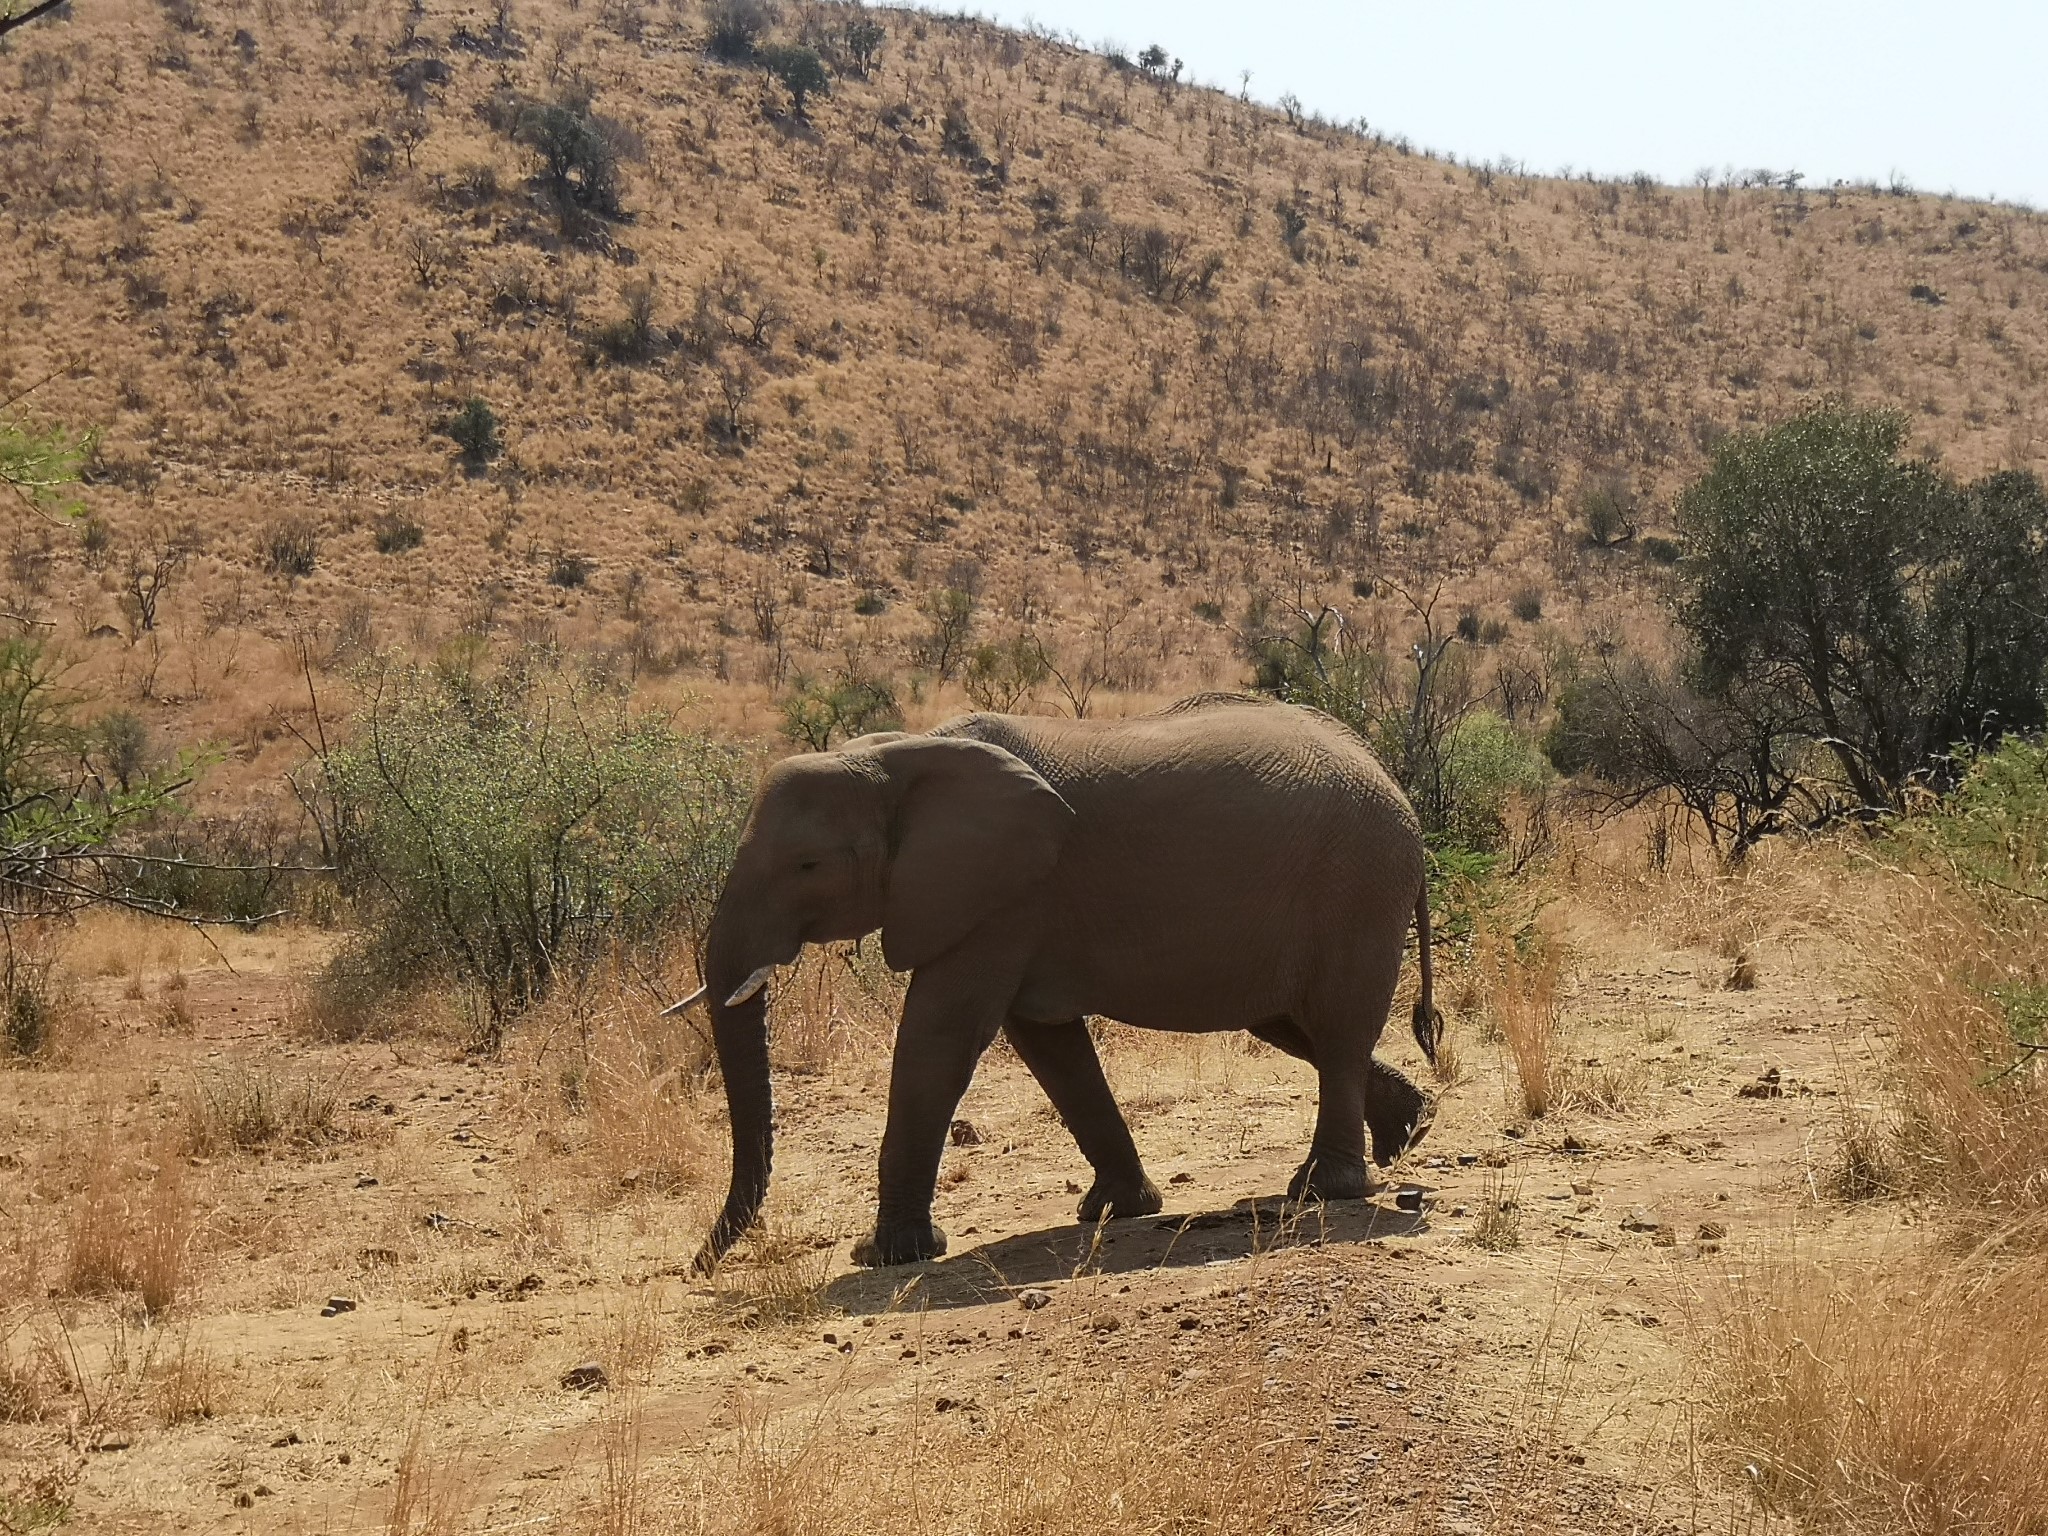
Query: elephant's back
x,y
1237,752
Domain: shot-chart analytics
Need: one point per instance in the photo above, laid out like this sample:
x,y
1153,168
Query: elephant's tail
x,y
1429,1024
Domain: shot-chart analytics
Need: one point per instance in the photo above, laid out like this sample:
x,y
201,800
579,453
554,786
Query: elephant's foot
x,y
1330,1178
909,1243
1398,1114
1120,1197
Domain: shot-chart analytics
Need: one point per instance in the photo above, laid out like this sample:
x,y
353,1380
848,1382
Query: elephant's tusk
x,y
695,997
750,986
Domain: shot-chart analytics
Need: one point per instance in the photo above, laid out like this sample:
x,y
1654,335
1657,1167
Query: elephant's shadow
x,y
996,1271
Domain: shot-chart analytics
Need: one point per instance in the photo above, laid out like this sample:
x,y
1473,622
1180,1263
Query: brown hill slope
x,y
1116,356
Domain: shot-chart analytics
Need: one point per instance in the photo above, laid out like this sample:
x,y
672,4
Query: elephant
x,y
1228,862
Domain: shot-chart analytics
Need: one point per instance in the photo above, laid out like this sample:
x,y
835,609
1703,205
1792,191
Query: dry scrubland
x,y
1119,358
1732,1214
1724,1226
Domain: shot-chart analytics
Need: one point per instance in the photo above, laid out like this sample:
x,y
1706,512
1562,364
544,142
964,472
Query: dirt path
x,y
1436,1384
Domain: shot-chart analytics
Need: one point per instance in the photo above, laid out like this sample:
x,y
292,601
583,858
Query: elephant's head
x,y
927,838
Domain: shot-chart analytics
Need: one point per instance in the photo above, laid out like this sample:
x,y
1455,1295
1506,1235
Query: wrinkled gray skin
x,y
1225,864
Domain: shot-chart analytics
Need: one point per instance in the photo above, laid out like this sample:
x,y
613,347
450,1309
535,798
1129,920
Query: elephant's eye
x,y
808,864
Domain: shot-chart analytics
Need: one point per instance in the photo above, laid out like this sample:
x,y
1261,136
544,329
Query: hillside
x,y
1117,357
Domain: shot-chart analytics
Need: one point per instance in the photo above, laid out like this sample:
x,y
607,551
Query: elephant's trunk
x,y
739,1030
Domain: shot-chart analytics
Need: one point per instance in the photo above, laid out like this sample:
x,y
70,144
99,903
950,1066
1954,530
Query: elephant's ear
x,y
974,828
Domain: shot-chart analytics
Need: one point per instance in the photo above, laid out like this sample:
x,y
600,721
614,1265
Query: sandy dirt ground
x,y
1422,1380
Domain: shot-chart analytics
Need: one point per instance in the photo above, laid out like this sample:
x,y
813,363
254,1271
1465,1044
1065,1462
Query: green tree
x,y
864,39
577,153
1877,608
800,70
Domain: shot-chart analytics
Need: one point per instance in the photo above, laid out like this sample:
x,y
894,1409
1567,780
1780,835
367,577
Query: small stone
x,y
1408,1200
1582,1186
265,1491
1105,1322
587,1377
1031,1298
1459,1210
1468,1159
964,1134
336,1305
1712,1231
1639,1220
366,1181
114,1440
630,1179
1190,1324
373,1258
289,1437
522,1288
1182,1178
245,1499
944,1405
1664,1237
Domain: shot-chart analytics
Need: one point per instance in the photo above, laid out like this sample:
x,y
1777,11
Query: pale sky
x,y
1949,97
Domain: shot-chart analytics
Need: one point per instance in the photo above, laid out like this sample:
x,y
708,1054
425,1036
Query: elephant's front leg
x,y
1063,1059
947,1024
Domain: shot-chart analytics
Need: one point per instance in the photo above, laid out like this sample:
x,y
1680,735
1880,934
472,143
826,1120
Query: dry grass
x,y
99,1248
1498,1228
186,1383
1972,1104
1902,1397
1138,1457
251,1109
131,1223
1521,999
778,1275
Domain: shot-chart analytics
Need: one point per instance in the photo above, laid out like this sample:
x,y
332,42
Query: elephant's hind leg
x,y
1356,1093
1063,1059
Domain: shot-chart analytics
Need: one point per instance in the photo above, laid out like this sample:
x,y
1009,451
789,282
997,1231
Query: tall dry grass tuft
x,y
1904,1398
249,1109
98,1254
1520,996
163,1237
617,1090
1957,974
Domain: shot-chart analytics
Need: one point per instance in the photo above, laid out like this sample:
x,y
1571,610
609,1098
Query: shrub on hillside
x,y
474,429
507,832
800,70
734,28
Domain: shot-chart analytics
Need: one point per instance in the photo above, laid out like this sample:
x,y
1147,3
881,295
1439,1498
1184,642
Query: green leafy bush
x,y
800,70
507,832
474,430
817,711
